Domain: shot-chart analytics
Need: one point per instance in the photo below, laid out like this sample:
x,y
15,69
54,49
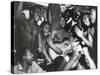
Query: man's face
x,y
86,20
62,22
93,15
37,15
29,57
75,16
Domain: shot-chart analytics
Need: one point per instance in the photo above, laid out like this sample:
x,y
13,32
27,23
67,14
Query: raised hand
x,y
79,32
85,51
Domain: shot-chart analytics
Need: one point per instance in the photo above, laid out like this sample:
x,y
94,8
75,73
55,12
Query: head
x,y
93,15
75,16
67,14
36,12
24,55
62,22
28,56
45,28
26,13
86,20
63,7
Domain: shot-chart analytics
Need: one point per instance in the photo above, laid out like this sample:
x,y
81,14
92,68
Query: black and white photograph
x,y
52,37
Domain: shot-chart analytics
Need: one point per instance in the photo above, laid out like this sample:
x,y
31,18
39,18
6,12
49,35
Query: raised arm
x,y
88,58
41,48
19,10
51,44
72,61
88,40
76,56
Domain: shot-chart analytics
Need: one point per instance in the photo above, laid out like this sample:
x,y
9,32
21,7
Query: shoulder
x,y
34,63
36,67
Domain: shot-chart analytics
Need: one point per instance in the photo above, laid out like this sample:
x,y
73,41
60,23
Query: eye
x,y
84,18
66,44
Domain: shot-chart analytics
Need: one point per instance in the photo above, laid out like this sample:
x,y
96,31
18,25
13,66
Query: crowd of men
x,y
55,37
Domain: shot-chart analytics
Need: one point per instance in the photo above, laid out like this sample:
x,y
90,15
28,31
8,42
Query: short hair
x,y
82,23
33,10
20,53
67,13
85,14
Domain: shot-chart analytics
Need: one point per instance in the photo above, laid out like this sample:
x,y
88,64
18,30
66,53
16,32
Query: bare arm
x,y
71,62
46,56
40,44
19,10
91,63
88,42
89,59
42,49
75,58
51,44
